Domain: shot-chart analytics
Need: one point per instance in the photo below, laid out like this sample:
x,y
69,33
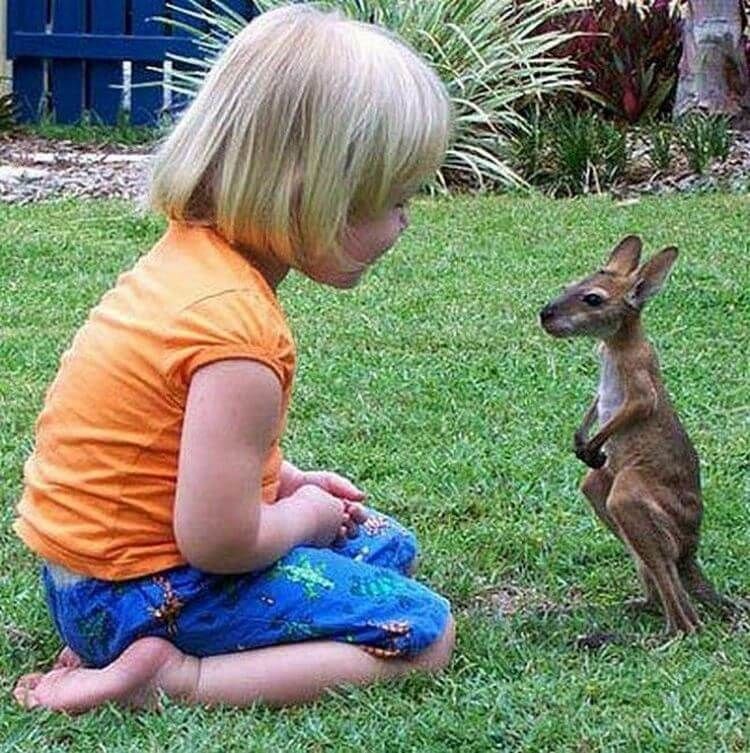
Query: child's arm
x,y
220,523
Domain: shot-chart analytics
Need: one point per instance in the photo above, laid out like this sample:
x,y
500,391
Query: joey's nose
x,y
547,312
404,219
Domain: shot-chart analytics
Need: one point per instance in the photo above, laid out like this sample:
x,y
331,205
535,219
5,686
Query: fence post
x,y
66,76
146,102
104,78
28,73
5,71
83,43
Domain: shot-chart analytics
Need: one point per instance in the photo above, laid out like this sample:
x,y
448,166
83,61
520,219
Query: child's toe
x,y
24,690
68,659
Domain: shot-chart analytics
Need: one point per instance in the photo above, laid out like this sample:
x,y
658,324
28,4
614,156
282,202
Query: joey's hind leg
x,y
647,531
650,602
596,487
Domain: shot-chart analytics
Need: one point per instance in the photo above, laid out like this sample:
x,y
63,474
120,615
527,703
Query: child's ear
x,y
651,277
624,259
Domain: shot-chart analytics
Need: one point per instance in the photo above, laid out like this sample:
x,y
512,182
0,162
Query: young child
x,y
181,553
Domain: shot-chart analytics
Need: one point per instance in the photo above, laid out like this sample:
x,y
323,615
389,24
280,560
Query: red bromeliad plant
x,y
628,53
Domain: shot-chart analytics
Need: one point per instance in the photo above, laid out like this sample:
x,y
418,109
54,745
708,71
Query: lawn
x,y
434,388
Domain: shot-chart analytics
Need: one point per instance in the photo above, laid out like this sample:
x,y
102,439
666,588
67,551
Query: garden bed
x,y
34,168
641,176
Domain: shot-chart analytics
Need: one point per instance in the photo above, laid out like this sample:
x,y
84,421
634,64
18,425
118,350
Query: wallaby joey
x,y
645,478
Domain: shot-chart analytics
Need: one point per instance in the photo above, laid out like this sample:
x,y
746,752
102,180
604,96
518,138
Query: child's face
x,y
364,242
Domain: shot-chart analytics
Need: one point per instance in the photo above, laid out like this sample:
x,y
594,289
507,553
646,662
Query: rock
x,y
120,158
46,157
11,173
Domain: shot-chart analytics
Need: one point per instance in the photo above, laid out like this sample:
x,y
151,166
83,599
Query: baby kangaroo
x,y
645,477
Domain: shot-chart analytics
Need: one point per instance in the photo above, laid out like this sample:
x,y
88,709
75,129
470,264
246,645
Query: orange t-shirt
x,y
100,484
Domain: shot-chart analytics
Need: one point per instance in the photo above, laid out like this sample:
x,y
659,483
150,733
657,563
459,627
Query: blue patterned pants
x,y
358,592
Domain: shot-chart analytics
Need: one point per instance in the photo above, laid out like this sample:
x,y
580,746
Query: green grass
x,y
434,388
91,132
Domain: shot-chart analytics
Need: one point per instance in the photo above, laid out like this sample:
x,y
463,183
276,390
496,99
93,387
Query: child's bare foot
x,y
133,679
68,658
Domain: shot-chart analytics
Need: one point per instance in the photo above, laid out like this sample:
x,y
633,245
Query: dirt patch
x,y
509,599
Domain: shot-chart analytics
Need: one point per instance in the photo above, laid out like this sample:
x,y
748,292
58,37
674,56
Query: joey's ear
x,y
624,259
651,277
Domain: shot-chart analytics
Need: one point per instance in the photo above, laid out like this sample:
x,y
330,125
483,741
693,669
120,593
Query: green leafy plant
x,y
7,111
628,53
528,151
493,55
89,130
589,151
720,136
661,137
570,152
704,138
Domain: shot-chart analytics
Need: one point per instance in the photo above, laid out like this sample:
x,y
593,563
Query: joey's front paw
x,y
591,456
579,443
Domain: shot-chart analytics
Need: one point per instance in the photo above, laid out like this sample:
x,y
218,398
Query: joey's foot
x,y
651,606
595,641
682,627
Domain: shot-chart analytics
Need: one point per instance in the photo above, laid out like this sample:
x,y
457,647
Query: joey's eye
x,y
592,299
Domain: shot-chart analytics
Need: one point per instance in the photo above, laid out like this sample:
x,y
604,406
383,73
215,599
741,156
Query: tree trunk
x,y
713,68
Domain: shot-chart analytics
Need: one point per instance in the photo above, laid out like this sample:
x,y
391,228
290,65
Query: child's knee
x,y
438,654
385,542
404,547
407,552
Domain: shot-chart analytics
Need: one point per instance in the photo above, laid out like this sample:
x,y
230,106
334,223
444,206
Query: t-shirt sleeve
x,y
229,325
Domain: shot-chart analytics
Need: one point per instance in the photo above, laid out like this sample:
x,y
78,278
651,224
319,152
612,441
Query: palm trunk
x,y
713,68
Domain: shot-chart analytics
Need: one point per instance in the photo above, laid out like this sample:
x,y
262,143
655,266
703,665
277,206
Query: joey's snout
x,y
547,313
552,323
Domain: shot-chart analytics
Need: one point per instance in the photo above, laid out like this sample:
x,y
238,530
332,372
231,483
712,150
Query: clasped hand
x,y
338,501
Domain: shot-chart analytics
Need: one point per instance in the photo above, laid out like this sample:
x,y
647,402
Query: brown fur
x,y
644,482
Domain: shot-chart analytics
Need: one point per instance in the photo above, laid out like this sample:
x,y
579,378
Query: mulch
x,y
34,169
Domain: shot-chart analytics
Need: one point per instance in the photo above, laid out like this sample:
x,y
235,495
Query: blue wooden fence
x,y
68,55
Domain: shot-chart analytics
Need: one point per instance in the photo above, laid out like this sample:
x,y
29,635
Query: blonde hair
x,y
306,122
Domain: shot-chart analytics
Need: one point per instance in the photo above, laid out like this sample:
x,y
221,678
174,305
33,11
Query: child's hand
x,y
334,484
354,515
329,519
292,478
350,495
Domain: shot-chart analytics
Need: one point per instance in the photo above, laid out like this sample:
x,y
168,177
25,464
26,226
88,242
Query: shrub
x,y
704,138
493,55
7,112
661,135
628,54
570,152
